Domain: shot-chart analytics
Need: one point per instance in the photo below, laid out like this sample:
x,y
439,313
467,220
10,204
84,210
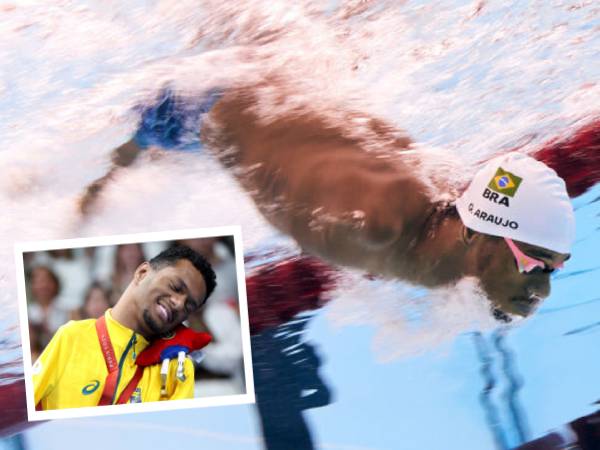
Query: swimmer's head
x,y
500,270
519,225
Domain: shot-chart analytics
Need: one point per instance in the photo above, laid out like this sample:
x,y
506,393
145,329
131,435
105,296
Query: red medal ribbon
x,y
128,391
110,384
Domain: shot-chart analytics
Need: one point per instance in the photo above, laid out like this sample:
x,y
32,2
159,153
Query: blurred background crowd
x,y
75,284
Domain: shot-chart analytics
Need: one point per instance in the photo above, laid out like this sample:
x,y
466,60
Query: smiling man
x,y
93,362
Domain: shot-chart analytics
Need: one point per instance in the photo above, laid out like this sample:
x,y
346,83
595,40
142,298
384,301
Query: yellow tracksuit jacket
x,y
71,371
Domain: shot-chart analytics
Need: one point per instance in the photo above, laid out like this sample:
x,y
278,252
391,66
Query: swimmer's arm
x,y
125,154
122,156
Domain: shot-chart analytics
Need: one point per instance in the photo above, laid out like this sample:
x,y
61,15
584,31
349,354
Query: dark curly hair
x,y
170,256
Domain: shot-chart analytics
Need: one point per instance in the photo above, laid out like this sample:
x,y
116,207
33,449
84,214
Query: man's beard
x,y
151,324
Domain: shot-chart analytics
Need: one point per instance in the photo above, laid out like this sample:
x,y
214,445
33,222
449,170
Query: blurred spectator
x,y
35,341
127,258
42,309
72,268
219,252
104,260
95,302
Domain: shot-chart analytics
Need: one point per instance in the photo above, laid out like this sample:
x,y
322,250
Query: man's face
x,y
167,296
43,285
509,290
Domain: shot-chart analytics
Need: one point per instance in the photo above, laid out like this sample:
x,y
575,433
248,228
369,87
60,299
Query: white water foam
x,y
408,320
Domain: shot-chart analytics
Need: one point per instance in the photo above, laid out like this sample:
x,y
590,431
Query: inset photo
x,y
134,323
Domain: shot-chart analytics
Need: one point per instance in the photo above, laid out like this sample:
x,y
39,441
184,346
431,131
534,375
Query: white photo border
x,y
197,233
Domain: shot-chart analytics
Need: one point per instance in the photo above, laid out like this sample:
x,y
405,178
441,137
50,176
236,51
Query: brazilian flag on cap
x,y
505,183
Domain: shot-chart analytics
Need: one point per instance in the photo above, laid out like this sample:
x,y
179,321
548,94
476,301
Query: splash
x,y
407,320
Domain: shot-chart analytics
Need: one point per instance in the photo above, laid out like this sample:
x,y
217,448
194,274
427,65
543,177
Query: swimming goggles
x,y
527,264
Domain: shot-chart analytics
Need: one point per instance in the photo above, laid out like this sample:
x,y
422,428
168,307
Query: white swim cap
x,y
518,197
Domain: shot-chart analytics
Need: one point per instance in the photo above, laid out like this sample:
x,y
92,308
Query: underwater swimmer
x,y
511,228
